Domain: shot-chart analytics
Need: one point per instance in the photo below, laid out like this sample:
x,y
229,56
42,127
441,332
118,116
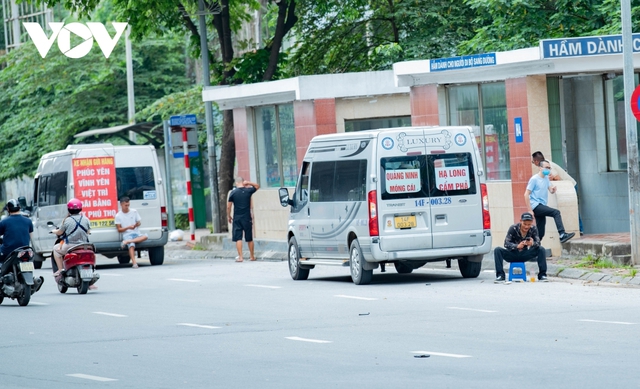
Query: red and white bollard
x,y
185,146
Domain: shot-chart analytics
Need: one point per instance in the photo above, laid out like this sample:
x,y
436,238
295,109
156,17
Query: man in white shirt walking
x,y
127,222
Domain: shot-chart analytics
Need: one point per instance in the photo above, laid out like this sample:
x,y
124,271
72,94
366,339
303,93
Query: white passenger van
x,y
406,196
99,175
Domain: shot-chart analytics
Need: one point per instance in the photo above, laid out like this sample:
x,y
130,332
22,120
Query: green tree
x,y
45,102
336,36
162,16
512,24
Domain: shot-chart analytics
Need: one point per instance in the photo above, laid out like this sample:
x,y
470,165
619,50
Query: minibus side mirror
x,y
284,197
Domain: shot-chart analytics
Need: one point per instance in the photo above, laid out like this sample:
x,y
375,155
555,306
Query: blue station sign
x,y
183,120
463,62
585,46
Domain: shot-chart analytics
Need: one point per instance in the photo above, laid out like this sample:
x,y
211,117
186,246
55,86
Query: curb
x,y
280,256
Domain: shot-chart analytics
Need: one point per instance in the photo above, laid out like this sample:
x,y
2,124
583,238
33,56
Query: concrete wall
x,y
15,188
603,195
371,107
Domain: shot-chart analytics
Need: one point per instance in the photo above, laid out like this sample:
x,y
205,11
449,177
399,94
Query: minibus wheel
x,y
469,269
297,273
359,275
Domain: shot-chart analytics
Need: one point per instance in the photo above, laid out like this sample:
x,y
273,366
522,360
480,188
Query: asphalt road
x,y
221,324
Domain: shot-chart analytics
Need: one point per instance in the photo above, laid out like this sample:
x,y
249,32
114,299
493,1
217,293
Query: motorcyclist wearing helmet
x,y
73,230
16,230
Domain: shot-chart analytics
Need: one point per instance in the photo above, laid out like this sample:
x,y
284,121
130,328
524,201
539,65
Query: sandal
x,y
135,266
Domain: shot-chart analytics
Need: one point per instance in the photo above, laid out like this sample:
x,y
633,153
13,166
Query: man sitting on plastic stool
x,y
522,244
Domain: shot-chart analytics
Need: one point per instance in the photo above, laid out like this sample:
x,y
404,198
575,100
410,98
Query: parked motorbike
x,y
79,267
16,276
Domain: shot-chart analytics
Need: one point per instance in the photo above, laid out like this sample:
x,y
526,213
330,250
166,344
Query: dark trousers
x,y
541,212
501,254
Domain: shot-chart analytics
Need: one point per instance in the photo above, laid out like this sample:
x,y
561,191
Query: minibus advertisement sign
x,y
402,181
94,182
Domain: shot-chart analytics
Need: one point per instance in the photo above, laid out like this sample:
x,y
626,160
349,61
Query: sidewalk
x,y
220,246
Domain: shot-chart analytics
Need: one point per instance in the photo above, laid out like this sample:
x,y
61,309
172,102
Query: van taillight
x,y
373,213
163,216
486,218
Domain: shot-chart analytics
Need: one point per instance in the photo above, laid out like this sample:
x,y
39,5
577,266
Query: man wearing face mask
x,y
536,197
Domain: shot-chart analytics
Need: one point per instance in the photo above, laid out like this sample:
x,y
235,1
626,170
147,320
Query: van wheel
x,y
156,255
123,259
297,273
402,268
469,269
359,275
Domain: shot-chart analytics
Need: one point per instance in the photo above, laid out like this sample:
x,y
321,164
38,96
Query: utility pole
x,y
631,127
208,114
131,100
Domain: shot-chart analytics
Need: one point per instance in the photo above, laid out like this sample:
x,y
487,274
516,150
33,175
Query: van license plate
x,y
405,222
26,266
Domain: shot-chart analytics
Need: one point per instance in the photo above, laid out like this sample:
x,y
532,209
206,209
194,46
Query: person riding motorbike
x,y
75,229
15,229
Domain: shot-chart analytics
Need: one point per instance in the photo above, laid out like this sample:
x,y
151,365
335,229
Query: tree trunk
x,y
227,161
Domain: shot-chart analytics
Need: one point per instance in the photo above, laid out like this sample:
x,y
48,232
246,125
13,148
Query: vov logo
x,y
88,32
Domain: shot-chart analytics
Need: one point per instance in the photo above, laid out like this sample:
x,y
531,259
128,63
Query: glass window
x,y
322,175
350,181
52,189
451,174
373,124
276,143
133,182
616,129
404,177
484,108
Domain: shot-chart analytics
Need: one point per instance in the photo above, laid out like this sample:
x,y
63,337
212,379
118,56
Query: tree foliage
x,y
45,102
337,36
512,24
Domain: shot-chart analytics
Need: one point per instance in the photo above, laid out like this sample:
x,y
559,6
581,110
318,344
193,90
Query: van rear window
x,y
137,183
452,174
433,175
404,177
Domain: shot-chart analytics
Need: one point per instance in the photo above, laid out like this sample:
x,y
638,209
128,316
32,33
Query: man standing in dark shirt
x,y
522,244
242,220
15,229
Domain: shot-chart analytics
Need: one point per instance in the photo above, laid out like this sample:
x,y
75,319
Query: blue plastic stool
x,y
517,271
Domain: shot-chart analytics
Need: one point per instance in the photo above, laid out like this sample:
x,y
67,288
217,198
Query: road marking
x,y
37,303
442,354
111,275
355,297
472,309
607,322
110,314
181,280
91,377
197,325
308,340
265,286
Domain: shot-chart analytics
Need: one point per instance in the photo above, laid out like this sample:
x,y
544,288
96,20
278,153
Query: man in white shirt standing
x,y
127,222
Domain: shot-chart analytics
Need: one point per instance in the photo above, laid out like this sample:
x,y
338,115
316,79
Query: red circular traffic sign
x,y
634,103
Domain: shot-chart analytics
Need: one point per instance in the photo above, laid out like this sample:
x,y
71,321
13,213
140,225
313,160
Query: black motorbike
x,y
16,276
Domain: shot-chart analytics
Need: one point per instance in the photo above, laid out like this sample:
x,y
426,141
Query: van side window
x,y
451,174
350,181
52,189
303,188
133,182
404,177
321,186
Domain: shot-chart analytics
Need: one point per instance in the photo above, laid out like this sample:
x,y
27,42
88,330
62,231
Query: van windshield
x,y
137,183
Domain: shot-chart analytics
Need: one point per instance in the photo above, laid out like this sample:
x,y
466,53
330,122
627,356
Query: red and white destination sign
x,y
94,182
402,181
452,178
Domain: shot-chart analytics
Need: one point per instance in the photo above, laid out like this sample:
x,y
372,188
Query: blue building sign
x,y
517,125
585,46
464,62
